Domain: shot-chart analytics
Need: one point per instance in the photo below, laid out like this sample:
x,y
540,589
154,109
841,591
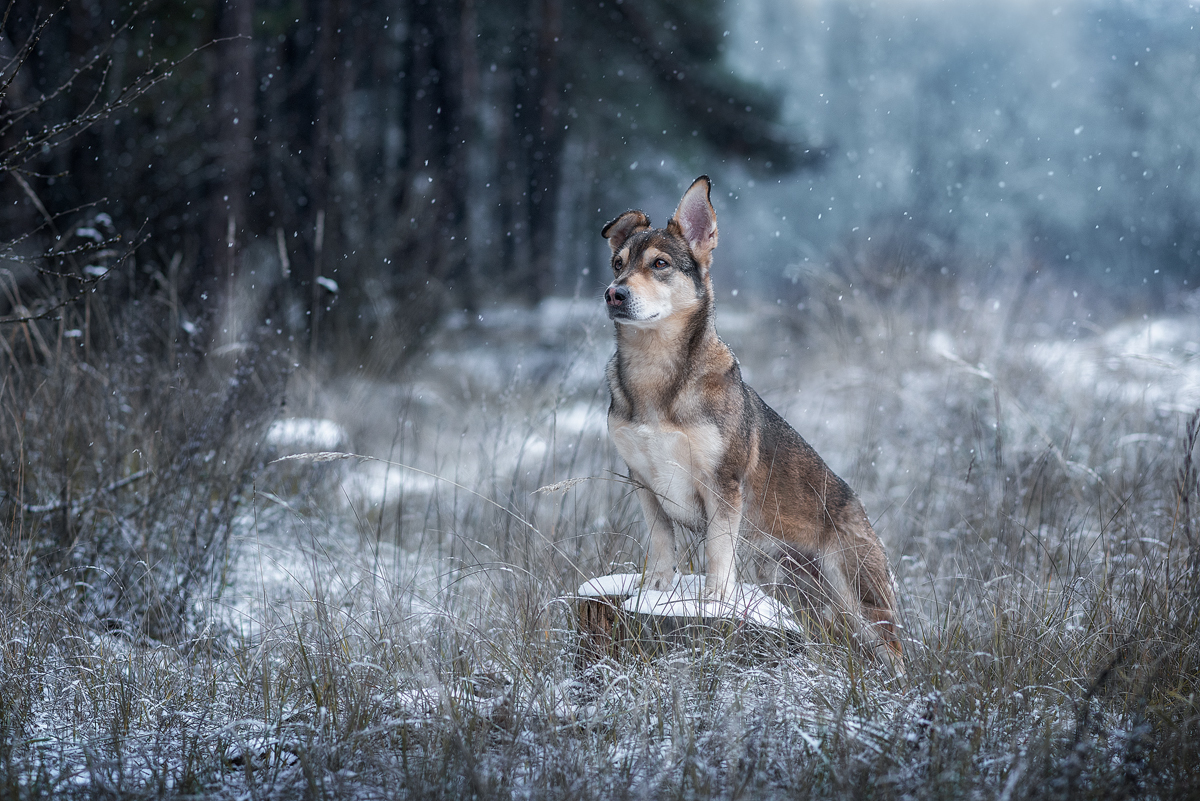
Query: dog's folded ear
x,y
696,219
625,226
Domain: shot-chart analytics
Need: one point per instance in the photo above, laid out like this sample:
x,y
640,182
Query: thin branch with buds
x,y
49,135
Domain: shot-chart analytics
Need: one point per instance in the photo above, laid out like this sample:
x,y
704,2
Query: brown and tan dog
x,y
707,454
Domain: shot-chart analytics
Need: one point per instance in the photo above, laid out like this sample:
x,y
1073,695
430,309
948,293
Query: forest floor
x,y
394,622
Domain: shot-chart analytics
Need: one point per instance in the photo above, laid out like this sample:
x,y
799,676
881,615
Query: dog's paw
x,y
661,581
717,590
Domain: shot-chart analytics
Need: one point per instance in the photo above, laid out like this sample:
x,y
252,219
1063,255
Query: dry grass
x,y
1041,519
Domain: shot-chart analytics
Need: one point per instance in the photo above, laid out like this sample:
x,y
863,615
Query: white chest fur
x,y
677,465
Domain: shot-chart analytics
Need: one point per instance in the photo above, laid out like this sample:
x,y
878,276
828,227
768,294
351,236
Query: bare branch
x,y
58,134
87,283
81,504
18,59
55,134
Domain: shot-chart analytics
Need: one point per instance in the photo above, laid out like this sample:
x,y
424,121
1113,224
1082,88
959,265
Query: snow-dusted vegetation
x,y
397,623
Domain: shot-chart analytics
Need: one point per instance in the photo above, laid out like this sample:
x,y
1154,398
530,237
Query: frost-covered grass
x,y
397,626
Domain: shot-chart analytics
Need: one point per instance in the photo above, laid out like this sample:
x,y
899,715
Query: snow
x,y
304,433
581,417
611,586
685,599
375,482
1152,361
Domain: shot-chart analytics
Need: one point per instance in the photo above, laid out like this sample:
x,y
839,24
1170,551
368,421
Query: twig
x,y
85,283
54,135
78,506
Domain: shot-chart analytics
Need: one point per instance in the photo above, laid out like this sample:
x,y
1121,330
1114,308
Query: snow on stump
x,y
615,614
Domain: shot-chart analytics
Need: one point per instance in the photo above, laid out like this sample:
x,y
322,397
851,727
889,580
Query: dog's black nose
x,y
617,295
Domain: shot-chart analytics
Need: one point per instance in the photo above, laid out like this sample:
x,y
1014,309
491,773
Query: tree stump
x,y
614,615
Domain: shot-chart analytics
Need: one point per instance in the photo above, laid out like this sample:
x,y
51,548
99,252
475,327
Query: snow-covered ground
x,y
516,398
417,587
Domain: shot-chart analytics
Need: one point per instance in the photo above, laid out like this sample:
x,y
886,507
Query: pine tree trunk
x,y
432,224
235,118
548,141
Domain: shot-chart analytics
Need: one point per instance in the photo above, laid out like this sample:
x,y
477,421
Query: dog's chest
x,y
677,464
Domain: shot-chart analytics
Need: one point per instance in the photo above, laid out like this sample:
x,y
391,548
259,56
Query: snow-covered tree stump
x,y
615,614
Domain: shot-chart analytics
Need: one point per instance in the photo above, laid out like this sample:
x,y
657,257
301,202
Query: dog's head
x,y
662,272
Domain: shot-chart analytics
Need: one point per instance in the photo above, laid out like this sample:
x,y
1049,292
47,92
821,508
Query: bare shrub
x,y
128,474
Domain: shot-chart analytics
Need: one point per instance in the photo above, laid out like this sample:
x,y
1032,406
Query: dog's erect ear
x,y
696,220
625,226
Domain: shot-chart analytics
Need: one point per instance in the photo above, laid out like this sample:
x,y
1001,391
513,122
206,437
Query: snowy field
x,y
395,623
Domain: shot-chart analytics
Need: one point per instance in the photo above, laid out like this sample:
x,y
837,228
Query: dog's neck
x,y
660,360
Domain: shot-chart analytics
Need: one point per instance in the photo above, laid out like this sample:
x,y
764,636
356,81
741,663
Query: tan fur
x,y
709,455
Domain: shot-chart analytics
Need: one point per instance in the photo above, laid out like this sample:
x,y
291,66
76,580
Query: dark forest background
x,y
345,173
351,170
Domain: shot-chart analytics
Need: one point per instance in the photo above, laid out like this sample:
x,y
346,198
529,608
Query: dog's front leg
x,y
660,550
720,541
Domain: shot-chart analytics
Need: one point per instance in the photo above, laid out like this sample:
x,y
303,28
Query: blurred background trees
x,y
349,171
345,173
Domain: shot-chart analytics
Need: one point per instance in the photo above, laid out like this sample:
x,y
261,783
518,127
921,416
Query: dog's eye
x,y
661,264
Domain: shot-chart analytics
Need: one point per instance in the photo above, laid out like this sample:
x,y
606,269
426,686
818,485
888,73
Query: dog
x,y
705,453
